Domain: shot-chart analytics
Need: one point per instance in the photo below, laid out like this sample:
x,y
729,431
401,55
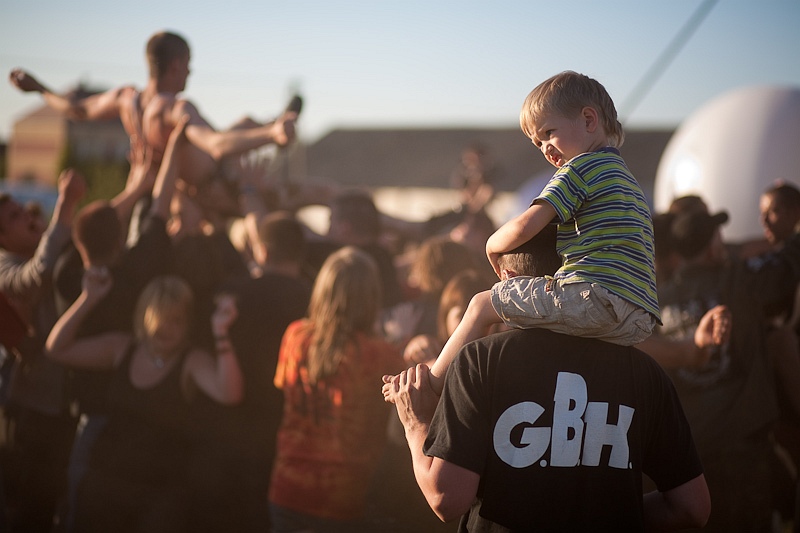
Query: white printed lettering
x,y
580,430
569,403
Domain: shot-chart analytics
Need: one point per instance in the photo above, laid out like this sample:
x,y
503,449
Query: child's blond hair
x,y
566,94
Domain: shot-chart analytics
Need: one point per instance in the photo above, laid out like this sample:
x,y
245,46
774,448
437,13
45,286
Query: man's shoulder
x,y
549,340
539,350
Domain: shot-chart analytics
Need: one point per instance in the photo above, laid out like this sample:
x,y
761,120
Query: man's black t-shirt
x,y
560,430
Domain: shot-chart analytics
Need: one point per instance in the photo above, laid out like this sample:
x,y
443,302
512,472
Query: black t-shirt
x,y
266,306
731,398
148,258
560,430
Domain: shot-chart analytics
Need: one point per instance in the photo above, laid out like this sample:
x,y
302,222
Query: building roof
x,y
426,157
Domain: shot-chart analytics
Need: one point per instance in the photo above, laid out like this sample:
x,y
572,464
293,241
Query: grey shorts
x,y
580,309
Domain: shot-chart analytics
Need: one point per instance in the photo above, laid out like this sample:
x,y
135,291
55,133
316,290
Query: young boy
x,y
606,285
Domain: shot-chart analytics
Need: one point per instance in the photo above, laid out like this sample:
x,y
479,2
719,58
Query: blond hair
x,y
345,300
161,297
566,94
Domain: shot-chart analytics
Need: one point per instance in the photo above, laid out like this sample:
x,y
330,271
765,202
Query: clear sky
x,y
396,63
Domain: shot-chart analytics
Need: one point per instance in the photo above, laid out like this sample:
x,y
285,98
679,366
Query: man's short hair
x,y
787,195
97,232
283,237
537,257
163,48
357,209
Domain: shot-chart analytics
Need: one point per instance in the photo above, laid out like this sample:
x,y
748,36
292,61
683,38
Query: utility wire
x,y
662,61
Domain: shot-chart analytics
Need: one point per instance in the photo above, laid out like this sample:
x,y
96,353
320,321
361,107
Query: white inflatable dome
x,y
732,149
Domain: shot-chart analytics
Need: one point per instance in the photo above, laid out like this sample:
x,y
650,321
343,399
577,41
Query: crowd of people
x,y
163,373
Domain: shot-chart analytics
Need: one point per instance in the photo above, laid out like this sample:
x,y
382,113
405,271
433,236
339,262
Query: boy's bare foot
x,y
391,388
283,131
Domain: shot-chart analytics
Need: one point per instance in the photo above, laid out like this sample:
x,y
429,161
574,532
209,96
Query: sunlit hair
x,y
566,94
162,297
457,293
787,195
356,208
345,300
438,259
283,237
163,48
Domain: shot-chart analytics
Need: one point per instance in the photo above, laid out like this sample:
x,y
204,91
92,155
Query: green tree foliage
x,y
104,178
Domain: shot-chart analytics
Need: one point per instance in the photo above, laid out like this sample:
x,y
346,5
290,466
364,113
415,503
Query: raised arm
x,y
518,231
164,186
23,280
141,179
219,377
99,106
96,352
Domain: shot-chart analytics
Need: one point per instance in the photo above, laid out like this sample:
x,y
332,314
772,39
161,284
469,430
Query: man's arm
x,y
448,488
713,331
685,506
22,280
96,107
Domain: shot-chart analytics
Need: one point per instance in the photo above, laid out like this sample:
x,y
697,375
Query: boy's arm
x,y
99,106
518,231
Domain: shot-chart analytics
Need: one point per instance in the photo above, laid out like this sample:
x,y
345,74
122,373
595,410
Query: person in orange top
x,y
333,429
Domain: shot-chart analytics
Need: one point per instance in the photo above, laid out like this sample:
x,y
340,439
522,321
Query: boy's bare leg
x,y
477,320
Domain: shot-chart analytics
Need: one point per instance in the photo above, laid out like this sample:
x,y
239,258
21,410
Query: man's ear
x,y
591,118
507,273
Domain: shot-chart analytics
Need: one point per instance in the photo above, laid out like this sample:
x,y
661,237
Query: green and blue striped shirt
x,y
605,231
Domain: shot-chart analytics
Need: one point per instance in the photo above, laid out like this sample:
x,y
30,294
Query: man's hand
x,y
413,397
71,188
24,81
714,328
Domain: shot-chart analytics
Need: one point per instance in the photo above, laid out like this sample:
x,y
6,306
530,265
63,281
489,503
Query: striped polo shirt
x,y
605,231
